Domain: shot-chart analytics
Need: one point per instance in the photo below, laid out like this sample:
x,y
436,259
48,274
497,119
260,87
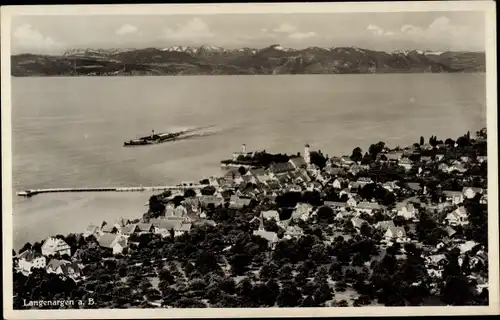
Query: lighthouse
x,y
307,155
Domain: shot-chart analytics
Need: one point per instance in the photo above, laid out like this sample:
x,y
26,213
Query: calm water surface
x,y
69,132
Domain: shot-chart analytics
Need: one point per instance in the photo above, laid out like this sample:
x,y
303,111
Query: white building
x,y
52,246
30,259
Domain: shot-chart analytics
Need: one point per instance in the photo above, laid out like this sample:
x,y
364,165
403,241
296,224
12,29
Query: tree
x,y
357,154
156,206
376,149
449,142
318,159
289,296
422,140
242,170
208,191
27,246
456,291
462,142
189,193
325,214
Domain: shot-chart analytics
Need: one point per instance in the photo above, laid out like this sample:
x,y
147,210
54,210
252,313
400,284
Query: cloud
x,y
302,35
125,29
285,28
440,28
26,37
378,31
194,29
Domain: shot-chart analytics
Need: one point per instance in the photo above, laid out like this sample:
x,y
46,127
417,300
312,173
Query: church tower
x,y
307,155
243,148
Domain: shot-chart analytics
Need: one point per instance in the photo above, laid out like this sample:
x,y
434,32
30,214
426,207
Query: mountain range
x,y
212,60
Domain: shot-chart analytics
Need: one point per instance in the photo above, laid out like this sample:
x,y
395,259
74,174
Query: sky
x,y
386,31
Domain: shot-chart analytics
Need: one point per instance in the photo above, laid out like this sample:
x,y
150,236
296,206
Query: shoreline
x,y
231,166
387,227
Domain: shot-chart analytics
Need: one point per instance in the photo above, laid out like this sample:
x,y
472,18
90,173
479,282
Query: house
x,y
458,168
205,200
396,233
271,237
334,162
470,192
406,163
467,246
436,260
192,204
439,156
443,167
180,211
390,186
347,192
281,167
293,232
110,228
351,202
130,229
346,161
52,246
406,210
367,207
425,159
464,159
482,159
163,226
30,259
298,162
336,205
414,186
484,199
363,181
354,185
394,156
302,211
261,175
54,266
355,169
337,183
296,188
458,217
271,215
183,228
281,223
236,202
63,267
341,215
450,231
212,181
334,171
384,225
92,230
357,222
145,228
114,242
456,197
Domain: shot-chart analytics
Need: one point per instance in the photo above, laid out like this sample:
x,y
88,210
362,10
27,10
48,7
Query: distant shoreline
x,y
272,60
258,74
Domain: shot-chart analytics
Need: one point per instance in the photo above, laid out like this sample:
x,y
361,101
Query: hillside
x,y
210,60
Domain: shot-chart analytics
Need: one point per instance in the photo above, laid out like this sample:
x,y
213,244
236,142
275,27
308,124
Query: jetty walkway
x,y
32,192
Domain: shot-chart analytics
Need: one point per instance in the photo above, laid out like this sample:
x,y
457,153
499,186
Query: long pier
x,y
32,192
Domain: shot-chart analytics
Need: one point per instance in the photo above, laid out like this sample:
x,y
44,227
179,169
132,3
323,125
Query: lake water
x,y
69,132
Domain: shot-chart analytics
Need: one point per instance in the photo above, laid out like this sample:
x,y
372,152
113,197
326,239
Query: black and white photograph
x,y
250,159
